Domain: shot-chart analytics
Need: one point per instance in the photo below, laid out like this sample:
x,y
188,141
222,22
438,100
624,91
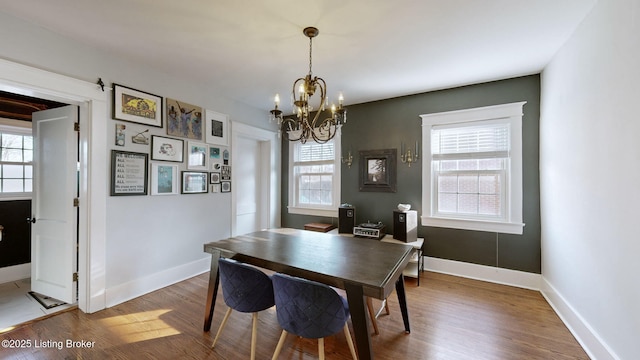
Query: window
x,y
473,169
16,157
314,177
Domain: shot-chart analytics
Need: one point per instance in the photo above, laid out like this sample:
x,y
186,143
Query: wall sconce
x,y
407,156
1,228
348,160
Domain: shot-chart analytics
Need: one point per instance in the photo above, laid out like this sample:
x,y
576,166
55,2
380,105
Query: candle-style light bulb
x,y
277,100
340,99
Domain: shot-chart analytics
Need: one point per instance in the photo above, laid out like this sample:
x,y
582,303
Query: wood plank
x,y
451,318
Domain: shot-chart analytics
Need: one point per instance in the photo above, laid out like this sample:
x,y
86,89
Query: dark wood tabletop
x,y
363,267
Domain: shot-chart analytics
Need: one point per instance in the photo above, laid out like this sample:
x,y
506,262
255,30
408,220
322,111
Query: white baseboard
x,y
138,287
485,273
15,272
581,330
590,341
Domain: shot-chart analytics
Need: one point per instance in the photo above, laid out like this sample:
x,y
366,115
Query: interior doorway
x,y
91,100
21,302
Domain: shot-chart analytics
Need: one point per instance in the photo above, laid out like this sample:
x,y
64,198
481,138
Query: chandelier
x,y
305,124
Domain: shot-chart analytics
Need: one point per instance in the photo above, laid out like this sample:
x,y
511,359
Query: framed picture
x,y
136,106
197,156
217,128
214,178
215,188
166,149
378,170
184,120
164,179
194,182
225,186
225,172
128,173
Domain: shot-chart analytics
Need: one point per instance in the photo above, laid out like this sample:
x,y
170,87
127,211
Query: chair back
x,y
245,288
307,308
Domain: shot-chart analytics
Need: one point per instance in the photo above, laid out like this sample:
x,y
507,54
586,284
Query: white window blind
x,y
478,141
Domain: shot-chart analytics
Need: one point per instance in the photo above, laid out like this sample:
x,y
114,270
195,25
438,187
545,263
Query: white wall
x,y
150,240
590,180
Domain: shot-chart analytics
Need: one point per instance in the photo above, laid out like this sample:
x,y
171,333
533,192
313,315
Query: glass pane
x,y
447,202
14,155
326,197
489,205
468,203
12,141
12,171
12,185
326,183
468,184
468,164
491,164
446,165
305,182
28,185
315,196
28,142
489,184
28,171
448,184
28,156
304,197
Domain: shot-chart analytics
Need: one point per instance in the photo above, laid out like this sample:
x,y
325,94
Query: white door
x,y
247,183
54,217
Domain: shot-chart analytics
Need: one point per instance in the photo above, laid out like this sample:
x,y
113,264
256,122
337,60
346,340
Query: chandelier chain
x,y
310,50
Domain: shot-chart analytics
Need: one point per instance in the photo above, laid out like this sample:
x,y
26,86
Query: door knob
x,y
31,220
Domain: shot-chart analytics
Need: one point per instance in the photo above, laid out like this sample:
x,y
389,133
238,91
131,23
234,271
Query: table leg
x,y
402,299
359,319
212,291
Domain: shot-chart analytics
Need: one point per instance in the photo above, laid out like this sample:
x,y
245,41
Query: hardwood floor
x,y
451,318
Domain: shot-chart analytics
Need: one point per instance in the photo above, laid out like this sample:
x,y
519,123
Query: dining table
x,y
363,267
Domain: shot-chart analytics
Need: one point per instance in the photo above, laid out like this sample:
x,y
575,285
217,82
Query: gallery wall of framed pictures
x,y
165,146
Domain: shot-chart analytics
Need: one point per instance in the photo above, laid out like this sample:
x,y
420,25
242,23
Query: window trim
x,y
16,127
511,113
325,211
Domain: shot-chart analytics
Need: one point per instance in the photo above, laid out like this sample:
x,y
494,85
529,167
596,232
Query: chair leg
x,y
222,324
386,306
254,334
321,348
347,334
372,315
279,346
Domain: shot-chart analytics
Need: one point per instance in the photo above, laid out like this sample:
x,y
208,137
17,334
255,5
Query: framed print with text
x,y
136,106
128,173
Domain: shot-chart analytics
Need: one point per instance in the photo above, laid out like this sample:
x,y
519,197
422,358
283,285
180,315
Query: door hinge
x,y
76,126
75,276
76,202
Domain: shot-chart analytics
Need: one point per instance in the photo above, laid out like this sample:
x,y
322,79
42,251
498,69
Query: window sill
x,y
476,225
315,212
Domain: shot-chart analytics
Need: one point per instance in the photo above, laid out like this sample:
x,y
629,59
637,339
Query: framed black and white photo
x,y
378,170
136,106
164,179
166,149
194,182
128,173
217,128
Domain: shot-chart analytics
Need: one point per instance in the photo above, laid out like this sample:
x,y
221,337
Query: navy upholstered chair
x,y
311,310
245,289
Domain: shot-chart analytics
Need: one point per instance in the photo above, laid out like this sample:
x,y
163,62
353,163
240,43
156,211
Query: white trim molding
x,y
15,272
25,80
492,274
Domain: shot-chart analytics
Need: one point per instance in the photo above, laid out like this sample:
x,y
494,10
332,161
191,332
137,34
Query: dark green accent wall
x,y
385,124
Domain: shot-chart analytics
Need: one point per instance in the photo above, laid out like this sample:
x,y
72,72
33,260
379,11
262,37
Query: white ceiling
x,y
368,49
